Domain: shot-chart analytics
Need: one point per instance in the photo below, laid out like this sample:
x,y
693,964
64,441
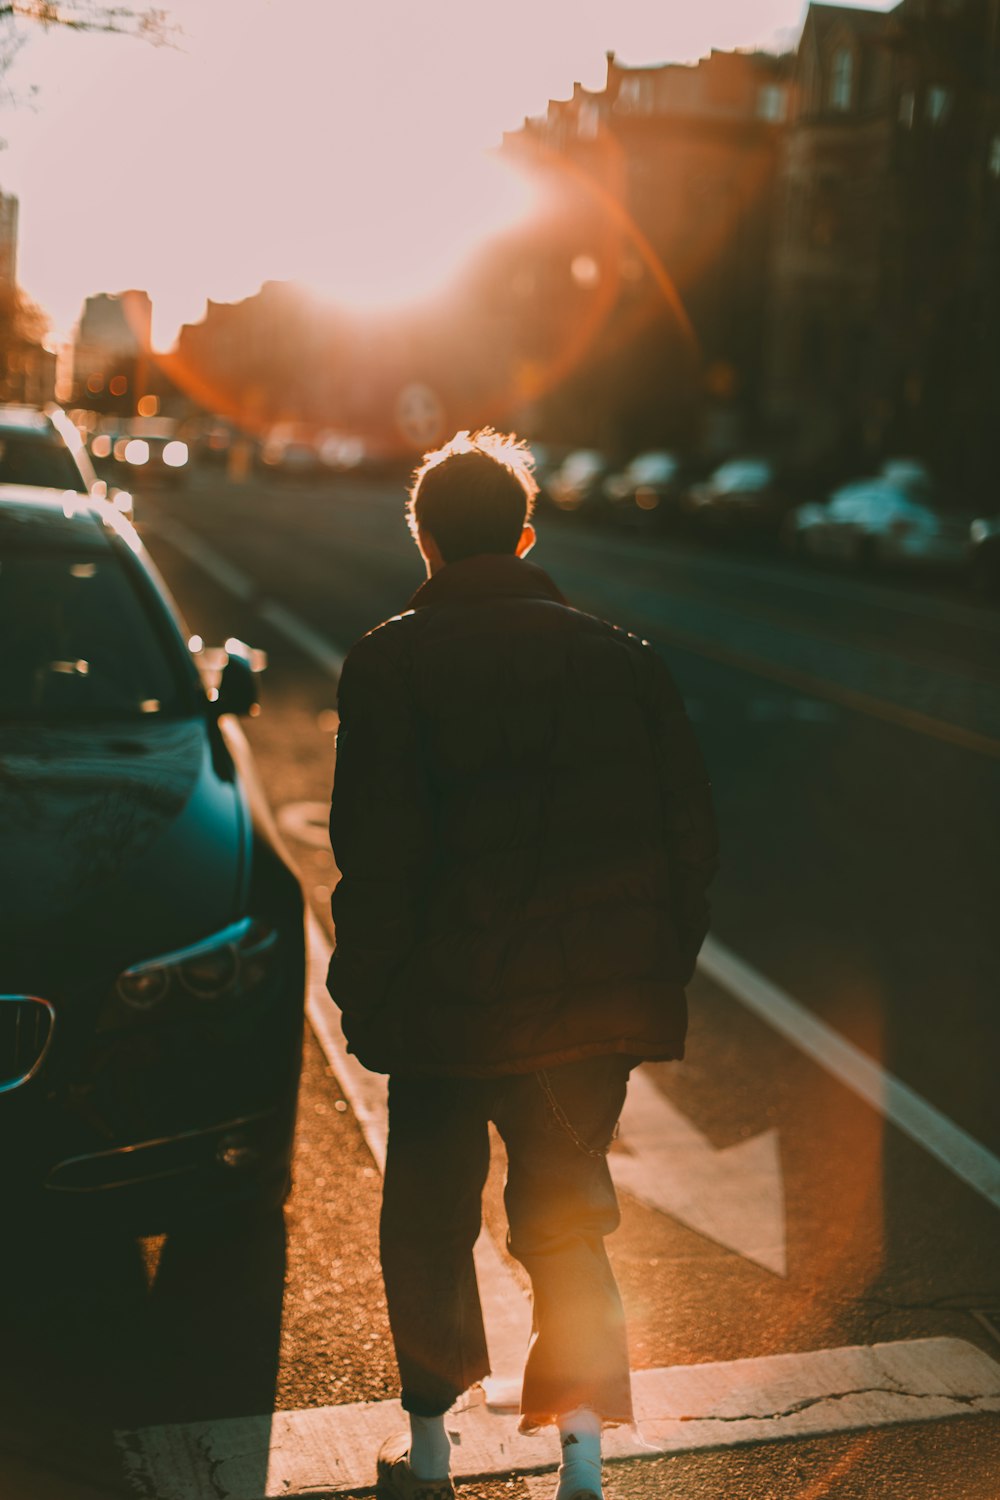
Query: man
x,y
523,827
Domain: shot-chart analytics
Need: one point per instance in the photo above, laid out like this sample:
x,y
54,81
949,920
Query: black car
x,y
741,498
647,492
151,927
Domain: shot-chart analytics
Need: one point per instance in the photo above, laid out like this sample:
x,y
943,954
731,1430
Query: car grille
x,y
26,1025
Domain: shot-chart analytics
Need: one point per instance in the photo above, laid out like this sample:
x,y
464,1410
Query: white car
x,y
875,520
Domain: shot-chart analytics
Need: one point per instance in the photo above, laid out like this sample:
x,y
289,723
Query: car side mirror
x,y
237,690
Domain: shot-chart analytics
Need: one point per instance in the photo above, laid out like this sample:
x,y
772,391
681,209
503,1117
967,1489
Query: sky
x,y
340,143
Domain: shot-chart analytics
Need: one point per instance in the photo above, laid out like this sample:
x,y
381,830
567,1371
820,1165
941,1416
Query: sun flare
x,y
406,243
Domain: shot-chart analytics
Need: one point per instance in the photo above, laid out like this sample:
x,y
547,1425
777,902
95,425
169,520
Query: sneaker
x,y
397,1481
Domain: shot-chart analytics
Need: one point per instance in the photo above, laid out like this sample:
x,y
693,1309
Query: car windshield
x,y
649,467
36,459
743,476
579,465
77,642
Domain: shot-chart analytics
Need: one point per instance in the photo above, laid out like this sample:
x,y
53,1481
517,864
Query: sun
x,y
399,239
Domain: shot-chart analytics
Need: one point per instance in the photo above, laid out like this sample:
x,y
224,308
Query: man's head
x,y
474,495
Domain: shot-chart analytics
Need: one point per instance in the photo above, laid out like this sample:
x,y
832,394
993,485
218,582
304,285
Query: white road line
x,y
316,647
959,1152
684,1409
229,577
506,1311
970,1161
322,652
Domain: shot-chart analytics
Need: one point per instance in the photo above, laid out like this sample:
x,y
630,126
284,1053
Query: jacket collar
x,y
491,575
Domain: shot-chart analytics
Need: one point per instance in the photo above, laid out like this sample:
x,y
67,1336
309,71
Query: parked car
x,y
647,491
145,450
874,521
578,483
984,555
43,449
151,931
910,475
546,459
741,497
289,454
215,440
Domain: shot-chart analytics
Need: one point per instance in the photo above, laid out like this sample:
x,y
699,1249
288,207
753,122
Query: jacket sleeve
x,y
689,824
379,829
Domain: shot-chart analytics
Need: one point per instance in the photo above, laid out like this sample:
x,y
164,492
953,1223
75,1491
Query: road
x,y
820,1174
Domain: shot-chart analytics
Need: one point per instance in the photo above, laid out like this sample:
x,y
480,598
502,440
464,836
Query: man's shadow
x,y
101,1332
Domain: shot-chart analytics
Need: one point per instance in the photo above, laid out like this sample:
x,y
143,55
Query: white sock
x,y
430,1449
580,1436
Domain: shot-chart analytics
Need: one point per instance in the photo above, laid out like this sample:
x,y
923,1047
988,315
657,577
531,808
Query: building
x,y
650,266
27,368
884,323
257,361
8,241
111,351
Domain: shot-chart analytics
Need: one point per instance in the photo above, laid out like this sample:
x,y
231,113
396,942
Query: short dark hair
x,y
474,494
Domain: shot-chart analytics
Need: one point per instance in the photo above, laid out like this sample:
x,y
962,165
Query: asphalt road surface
x,y
821,1174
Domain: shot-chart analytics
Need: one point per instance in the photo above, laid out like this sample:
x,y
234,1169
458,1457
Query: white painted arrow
x,y
735,1196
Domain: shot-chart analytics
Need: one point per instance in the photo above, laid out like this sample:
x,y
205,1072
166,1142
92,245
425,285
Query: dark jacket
x,y
523,827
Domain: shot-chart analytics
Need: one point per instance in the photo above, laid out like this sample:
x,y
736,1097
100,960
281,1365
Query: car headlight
x,y
175,454
226,966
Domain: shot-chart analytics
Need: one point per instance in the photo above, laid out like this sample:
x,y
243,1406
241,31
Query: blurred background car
x,y
289,454
647,492
578,483
214,442
151,933
741,497
142,451
910,476
341,452
875,521
545,459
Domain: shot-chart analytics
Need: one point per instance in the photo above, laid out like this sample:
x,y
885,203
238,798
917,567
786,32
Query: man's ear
x,y
429,551
527,541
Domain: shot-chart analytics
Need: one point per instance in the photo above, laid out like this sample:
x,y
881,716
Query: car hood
x,y
116,843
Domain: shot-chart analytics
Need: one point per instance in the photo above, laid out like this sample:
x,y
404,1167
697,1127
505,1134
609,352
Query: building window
x,y
629,94
937,105
994,157
636,95
771,103
842,79
588,121
907,109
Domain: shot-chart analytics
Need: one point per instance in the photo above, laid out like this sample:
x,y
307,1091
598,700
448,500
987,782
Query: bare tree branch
x,y
150,25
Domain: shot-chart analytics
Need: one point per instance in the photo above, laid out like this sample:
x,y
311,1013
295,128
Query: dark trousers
x,y
560,1203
